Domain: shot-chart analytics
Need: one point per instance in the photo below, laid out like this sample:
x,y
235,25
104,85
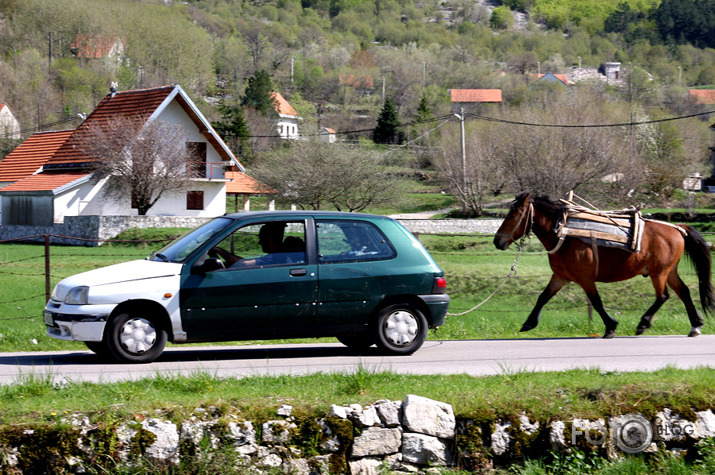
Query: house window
x,y
196,165
195,200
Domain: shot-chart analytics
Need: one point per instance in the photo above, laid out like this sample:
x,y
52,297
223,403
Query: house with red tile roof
x,y
49,176
98,46
470,98
287,121
703,96
9,126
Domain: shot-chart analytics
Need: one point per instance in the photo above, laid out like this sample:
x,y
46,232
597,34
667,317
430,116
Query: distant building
x,y
9,126
328,135
98,46
550,78
287,122
703,96
471,98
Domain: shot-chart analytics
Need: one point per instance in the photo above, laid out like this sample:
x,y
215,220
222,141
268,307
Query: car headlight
x,y
77,295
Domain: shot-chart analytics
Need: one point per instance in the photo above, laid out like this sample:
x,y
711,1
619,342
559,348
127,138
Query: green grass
x,y
473,267
543,396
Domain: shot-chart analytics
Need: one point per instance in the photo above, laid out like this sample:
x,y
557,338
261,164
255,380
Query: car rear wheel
x,y
357,341
400,329
132,338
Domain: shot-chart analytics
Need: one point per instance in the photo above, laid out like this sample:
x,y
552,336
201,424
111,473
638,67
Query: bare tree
x,y
549,146
141,159
313,174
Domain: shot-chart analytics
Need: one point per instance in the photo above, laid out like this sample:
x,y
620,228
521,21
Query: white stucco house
x,y
9,126
287,122
48,177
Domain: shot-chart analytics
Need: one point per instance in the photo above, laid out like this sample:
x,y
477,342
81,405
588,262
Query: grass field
x,y
473,267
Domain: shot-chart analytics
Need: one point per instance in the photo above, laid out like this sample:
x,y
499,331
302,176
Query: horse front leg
x,y
595,299
554,285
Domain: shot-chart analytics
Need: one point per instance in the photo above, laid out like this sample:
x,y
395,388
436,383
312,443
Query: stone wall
x,y
91,230
417,435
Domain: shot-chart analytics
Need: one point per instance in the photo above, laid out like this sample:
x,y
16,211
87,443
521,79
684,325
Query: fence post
x,y
47,268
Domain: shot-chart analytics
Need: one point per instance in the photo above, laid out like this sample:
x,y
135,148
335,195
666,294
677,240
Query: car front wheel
x,y
132,338
357,341
400,329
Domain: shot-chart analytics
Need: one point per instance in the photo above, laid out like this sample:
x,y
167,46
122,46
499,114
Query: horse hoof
x,y
609,334
641,330
526,328
694,331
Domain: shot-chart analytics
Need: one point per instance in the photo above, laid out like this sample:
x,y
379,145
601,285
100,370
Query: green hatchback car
x,y
362,278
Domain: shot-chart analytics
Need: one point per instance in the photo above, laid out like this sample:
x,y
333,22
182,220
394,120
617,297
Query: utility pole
x,y
460,116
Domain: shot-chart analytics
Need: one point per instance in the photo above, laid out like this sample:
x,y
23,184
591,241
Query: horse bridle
x,y
529,216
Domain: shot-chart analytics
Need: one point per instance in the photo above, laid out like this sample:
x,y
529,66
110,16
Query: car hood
x,y
126,271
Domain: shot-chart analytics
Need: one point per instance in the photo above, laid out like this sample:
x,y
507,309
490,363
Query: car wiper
x,y
160,256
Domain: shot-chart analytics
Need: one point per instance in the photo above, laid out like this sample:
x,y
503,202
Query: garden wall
x,y
92,229
417,435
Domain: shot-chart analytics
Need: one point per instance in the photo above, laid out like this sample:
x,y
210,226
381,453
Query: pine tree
x,y
233,128
388,129
422,120
258,93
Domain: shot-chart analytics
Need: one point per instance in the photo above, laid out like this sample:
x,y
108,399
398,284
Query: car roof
x,y
303,213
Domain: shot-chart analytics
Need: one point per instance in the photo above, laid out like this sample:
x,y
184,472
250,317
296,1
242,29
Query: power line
x,y
622,124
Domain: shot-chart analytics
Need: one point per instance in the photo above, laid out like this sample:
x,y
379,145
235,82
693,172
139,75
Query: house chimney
x,y
113,89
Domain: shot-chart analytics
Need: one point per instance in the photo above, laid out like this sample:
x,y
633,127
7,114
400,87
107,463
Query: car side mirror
x,y
209,264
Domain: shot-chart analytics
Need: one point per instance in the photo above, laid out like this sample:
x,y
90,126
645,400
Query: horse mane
x,y
545,205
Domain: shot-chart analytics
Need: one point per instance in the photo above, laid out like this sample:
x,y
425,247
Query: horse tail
x,y
699,252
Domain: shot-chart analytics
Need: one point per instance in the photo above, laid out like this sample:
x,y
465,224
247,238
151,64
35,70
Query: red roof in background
x,y
95,46
138,104
475,95
282,105
243,184
703,96
44,181
31,154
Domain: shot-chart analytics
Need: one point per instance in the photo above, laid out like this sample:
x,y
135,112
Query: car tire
x,y
400,329
98,348
356,341
135,338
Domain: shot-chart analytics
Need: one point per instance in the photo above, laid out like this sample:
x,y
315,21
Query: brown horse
x,y
579,261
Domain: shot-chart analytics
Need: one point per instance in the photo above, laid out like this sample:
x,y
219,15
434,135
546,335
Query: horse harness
x,y
618,229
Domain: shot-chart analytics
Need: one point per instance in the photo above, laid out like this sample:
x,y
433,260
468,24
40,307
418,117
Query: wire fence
x,y
23,277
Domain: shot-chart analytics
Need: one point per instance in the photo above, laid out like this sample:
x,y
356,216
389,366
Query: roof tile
x,y
475,95
139,104
243,184
44,181
32,154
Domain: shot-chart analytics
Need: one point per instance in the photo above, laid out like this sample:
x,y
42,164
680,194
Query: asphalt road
x,y
474,357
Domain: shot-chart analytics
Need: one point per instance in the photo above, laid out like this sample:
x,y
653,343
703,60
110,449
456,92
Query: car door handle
x,y
298,272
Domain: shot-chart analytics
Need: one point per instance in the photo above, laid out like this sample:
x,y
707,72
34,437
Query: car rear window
x,y
351,241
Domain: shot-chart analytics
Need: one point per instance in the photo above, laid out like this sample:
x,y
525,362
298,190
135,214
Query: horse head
x,y
518,221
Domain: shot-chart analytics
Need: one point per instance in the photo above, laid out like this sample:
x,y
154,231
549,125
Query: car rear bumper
x,y
438,305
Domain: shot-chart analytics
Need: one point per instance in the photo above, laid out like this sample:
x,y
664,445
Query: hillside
x,y
330,58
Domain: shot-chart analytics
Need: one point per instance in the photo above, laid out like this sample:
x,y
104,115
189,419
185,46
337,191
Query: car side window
x,y
351,241
263,244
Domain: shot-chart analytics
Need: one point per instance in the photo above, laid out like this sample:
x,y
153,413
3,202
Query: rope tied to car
x,y
512,273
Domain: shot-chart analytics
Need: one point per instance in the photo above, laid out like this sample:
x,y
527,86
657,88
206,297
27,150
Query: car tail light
x,y
439,286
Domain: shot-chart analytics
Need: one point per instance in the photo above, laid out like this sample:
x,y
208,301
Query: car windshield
x,y
180,249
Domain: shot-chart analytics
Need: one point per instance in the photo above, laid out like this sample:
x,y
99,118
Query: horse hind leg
x,y
647,318
683,292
